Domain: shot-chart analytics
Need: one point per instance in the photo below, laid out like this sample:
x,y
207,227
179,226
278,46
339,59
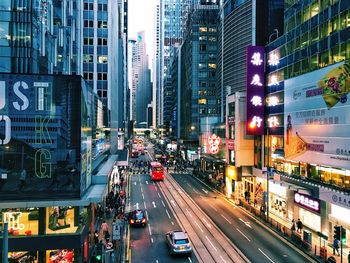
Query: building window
x,y
202,101
88,41
102,59
89,6
203,29
202,38
212,39
102,41
101,76
89,23
102,7
212,66
88,59
212,29
102,24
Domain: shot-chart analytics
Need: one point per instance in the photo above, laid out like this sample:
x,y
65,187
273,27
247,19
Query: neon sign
x,y
307,202
12,218
214,143
255,90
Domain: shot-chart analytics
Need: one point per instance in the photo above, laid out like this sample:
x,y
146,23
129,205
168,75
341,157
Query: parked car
x,y
137,218
178,242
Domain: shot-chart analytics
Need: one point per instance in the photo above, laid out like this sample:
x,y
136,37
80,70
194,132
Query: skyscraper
x,y
171,16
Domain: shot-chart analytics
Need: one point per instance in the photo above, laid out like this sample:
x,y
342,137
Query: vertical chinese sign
x,y
255,90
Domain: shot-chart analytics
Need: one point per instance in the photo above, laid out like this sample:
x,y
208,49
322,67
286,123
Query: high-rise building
x,y
40,37
141,86
170,29
101,47
308,105
198,108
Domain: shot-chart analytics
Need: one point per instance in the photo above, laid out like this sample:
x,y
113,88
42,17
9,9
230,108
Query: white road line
x,y
172,223
134,183
143,196
162,203
141,190
213,207
201,197
266,255
198,226
205,191
159,195
137,206
166,210
157,261
246,223
146,215
226,219
189,185
144,203
211,243
243,234
223,260
149,229
154,204
195,191
189,259
189,213
146,182
205,221
152,240
173,202
156,188
179,190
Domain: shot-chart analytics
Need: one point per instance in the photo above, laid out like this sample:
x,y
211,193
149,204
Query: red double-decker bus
x,y
157,171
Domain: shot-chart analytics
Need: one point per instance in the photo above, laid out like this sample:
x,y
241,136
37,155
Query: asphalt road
x,y
256,243
148,243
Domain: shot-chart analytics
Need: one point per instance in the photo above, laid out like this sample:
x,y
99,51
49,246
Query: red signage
x,y
214,142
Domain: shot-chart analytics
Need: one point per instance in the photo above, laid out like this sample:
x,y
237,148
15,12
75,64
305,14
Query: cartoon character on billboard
x,y
214,143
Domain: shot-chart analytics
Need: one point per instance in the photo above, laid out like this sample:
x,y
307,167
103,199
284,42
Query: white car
x,y
178,242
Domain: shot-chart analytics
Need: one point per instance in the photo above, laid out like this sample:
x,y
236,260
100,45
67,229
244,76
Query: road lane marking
x,y
243,234
149,229
146,182
157,261
189,213
199,226
154,204
152,240
159,195
134,183
201,197
146,215
143,197
266,255
166,210
205,221
189,185
162,203
189,259
226,219
211,243
172,223
137,206
179,190
173,202
223,260
141,190
144,203
195,191
213,207
246,223
205,191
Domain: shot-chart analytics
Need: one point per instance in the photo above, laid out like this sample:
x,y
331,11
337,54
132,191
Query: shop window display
x,y
22,257
60,219
21,222
60,256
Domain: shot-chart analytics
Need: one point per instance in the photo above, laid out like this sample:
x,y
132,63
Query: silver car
x,y
178,242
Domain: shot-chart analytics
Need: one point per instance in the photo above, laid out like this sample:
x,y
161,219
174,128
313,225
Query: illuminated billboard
x,y
45,137
317,119
255,90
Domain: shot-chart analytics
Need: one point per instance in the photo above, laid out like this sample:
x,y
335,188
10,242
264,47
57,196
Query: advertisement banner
x,y
255,90
317,119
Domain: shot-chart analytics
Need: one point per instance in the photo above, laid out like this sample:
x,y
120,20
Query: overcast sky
x,y
141,15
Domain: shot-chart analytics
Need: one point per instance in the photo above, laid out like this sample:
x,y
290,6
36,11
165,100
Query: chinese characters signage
x,y
307,202
255,90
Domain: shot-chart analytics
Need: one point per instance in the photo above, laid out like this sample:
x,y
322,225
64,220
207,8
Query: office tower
x,y
198,99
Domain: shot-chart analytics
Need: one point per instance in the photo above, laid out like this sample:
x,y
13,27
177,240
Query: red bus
x,y
157,171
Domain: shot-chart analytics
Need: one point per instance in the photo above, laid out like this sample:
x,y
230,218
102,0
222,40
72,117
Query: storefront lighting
x,y
13,219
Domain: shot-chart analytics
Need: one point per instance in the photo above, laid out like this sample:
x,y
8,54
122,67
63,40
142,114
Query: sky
x,y
141,15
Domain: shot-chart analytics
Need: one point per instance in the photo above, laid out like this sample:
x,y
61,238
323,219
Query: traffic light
x,y
337,232
343,235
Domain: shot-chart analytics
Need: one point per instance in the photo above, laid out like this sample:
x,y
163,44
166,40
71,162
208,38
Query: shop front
x,y
214,171
280,200
233,184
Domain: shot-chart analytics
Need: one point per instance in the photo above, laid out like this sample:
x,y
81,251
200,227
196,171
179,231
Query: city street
x,y
257,243
148,243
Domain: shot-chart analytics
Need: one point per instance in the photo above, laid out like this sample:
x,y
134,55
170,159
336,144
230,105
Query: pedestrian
x,y
299,225
293,226
96,237
336,246
104,227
